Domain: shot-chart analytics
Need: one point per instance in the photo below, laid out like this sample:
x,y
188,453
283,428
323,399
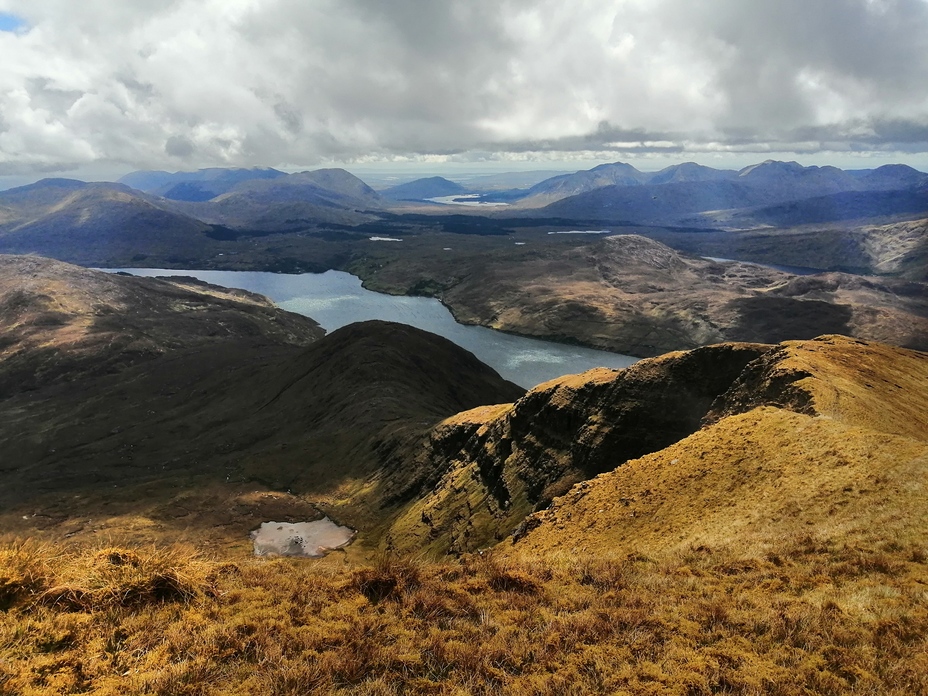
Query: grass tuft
x,y
813,617
389,579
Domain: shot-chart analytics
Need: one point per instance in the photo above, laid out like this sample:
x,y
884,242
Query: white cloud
x,y
186,83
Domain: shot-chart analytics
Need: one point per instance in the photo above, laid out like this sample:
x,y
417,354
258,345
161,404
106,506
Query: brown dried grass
x,y
816,617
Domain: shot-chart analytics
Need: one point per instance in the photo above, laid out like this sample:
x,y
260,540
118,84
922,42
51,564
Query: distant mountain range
x,y
94,222
683,194
178,217
201,185
693,195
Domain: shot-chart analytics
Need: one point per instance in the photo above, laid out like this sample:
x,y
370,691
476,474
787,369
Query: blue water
x,y
335,299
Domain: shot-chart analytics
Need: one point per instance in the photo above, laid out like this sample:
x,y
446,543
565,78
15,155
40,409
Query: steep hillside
x,y
766,193
290,202
894,176
825,438
501,462
746,444
60,322
894,249
899,248
835,208
563,186
201,185
784,180
153,407
660,204
690,171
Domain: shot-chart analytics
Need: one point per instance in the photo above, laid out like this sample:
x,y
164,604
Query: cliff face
x,y
503,462
695,426
827,438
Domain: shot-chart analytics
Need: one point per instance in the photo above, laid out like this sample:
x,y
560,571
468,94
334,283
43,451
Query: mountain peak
x,y
420,189
768,167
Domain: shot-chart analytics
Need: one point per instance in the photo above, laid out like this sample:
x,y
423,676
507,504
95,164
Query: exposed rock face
x,y
861,383
502,462
826,437
741,409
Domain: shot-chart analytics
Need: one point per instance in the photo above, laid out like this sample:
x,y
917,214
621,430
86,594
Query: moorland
x,y
741,511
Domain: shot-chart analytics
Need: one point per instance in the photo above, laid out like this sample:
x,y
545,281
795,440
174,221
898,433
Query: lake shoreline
x,y
337,298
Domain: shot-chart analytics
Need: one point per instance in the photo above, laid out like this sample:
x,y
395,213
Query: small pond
x,y
306,539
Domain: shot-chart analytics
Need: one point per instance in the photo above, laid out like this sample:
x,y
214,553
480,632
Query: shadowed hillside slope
x,y
421,189
291,202
92,223
159,405
200,185
769,190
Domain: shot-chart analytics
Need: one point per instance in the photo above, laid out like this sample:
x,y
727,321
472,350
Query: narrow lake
x,y
335,299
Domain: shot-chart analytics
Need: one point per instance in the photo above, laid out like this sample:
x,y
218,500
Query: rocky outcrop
x,y
504,466
823,439
504,462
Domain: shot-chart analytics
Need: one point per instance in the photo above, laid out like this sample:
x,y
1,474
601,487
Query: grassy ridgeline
x,y
814,617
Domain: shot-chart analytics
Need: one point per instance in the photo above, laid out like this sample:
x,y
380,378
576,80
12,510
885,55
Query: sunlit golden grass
x,y
816,617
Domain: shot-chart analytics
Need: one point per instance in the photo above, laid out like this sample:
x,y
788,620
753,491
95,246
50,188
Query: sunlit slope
x,y
506,461
826,437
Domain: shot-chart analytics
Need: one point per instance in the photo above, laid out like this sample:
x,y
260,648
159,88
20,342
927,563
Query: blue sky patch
x,y
10,22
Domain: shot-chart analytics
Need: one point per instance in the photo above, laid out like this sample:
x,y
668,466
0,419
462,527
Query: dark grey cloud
x,y
149,83
179,146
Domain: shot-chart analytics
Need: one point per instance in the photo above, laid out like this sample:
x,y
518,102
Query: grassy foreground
x,y
817,617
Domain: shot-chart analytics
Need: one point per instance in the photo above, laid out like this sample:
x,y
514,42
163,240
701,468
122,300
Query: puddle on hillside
x,y
306,539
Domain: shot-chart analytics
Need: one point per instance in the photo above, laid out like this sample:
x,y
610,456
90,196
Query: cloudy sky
x,y
114,85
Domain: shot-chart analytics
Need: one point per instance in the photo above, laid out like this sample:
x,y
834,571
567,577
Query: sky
x,y
97,88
